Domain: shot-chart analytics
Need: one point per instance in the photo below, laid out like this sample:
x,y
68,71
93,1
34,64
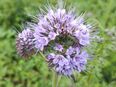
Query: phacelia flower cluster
x,y
57,23
59,27
25,43
72,60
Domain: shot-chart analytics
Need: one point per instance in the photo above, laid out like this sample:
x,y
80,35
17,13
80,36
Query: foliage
x,y
16,72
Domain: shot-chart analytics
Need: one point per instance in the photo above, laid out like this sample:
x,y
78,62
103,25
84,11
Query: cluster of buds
x,y
25,43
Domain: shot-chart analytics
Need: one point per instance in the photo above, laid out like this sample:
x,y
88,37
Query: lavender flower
x,y
25,43
58,26
66,64
60,64
60,22
55,25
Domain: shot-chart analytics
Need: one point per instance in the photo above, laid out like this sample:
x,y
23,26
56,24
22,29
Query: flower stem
x,y
55,80
41,54
73,84
73,80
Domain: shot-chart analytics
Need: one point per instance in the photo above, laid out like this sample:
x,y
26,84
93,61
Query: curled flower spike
x,y
60,63
25,43
72,60
62,26
60,23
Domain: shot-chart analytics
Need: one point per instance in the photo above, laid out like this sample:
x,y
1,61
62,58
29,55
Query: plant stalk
x,y
56,79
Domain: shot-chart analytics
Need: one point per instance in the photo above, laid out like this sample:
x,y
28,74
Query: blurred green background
x,y
16,72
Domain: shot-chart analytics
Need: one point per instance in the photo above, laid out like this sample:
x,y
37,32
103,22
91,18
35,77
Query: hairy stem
x,y
41,54
56,79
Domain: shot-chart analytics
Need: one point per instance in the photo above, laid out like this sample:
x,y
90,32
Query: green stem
x,y
73,80
41,54
73,84
56,79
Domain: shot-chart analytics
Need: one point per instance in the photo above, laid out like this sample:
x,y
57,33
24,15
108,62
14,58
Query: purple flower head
x,y
60,64
25,43
53,27
65,65
58,25
60,22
